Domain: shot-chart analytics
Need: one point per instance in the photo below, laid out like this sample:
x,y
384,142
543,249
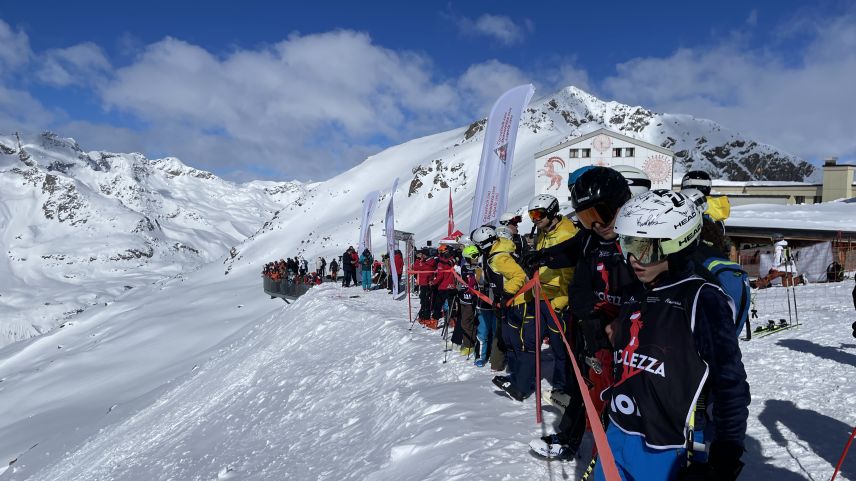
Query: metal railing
x,y
285,289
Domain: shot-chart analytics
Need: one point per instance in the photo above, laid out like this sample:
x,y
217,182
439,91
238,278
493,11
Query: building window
x,y
800,199
629,152
574,153
616,152
586,153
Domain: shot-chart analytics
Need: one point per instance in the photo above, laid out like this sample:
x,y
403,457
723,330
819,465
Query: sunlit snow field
x,y
336,386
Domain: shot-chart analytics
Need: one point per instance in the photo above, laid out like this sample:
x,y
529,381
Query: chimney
x,y
830,161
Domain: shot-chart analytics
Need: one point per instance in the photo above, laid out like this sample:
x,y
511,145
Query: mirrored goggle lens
x,y
646,251
597,213
537,214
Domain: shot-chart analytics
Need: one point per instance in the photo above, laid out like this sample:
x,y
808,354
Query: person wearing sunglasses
x,y
673,346
552,230
511,221
601,283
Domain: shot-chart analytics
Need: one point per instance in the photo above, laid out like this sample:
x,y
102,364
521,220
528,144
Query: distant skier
x,y
334,270
366,263
424,266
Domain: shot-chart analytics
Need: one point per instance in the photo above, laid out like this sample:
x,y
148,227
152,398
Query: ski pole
x,y
841,460
784,283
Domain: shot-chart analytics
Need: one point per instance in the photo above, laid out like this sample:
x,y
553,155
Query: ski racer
x,y
674,345
508,277
602,282
553,229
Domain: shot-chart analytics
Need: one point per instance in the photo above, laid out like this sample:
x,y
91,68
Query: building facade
x,y
600,147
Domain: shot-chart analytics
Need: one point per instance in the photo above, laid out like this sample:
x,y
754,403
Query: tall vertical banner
x,y
451,215
497,155
389,223
369,204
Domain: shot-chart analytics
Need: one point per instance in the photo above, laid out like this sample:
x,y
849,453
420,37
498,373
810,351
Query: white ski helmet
x,y
484,237
543,205
503,232
510,218
638,180
696,196
657,223
697,179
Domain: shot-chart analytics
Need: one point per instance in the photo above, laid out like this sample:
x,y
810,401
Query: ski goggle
x,y
537,214
644,249
513,221
600,213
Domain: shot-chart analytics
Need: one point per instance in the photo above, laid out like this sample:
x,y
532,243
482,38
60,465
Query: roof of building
x,y
610,133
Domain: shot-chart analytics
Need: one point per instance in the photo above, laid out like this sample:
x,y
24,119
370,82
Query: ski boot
x,y
504,383
783,323
559,398
479,363
466,351
553,447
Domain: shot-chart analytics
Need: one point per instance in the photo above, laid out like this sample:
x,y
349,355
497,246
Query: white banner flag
x,y
389,223
369,204
497,155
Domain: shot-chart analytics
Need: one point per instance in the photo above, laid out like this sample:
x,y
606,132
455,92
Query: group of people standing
x,y
651,328
374,273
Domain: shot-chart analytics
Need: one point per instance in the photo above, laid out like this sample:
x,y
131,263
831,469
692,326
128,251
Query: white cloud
x,y
14,48
483,83
20,111
804,107
286,103
80,64
498,27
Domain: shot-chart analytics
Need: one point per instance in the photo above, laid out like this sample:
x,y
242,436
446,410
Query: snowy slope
x,y
78,229
335,387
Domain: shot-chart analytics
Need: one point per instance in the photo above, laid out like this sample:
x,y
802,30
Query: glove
x,y
534,259
592,327
724,464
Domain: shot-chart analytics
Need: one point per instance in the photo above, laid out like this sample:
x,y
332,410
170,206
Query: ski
x,y
772,328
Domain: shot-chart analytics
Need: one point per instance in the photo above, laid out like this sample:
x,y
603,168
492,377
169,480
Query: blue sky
x,y
283,90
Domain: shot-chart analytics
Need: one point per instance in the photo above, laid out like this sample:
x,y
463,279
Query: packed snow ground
x,y
213,381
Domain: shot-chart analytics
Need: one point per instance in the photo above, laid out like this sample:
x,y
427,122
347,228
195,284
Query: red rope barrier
x,y
537,288
610,470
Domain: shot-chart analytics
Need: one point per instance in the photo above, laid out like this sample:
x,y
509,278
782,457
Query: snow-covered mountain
x,y
85,226
325,220
79,228
698,143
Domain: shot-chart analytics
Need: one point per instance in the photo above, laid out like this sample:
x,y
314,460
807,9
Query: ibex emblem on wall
x,y
549,171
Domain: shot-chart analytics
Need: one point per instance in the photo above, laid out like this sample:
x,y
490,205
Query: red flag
x,y
451,215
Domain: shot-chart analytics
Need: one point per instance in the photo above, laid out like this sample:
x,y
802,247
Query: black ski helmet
x,y
600,185
697,179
